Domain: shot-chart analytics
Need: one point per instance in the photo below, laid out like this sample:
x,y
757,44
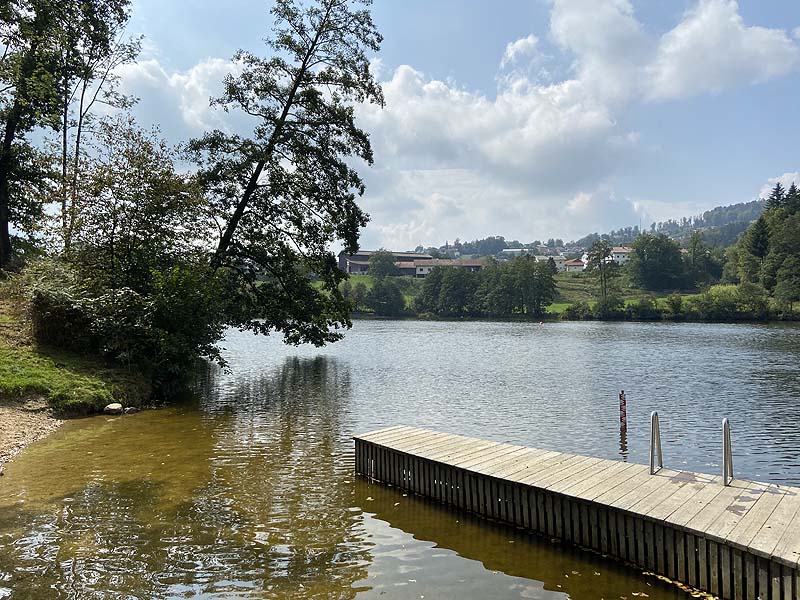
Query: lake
x,y
249,492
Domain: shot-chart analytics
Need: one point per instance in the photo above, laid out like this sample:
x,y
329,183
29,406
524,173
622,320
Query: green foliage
x,y
521,287
655,262
381,264
644,309
674,305
578,311
599,263
609,308
385,298
745,301
787,288
286,192
776,198
757,239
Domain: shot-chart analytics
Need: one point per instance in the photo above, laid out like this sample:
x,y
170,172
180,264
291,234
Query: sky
x,y
529,119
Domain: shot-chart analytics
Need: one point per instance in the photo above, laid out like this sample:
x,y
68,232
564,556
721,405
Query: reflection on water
x,y
249,492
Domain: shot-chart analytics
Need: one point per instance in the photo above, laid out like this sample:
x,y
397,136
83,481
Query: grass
x,y
72,384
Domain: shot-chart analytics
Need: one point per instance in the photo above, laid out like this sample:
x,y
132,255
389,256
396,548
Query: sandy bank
x,y
23,422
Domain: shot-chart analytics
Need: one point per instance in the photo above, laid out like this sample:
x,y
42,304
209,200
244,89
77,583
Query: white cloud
x,y
521,48
712,49
538,158
181,98
785,180
608,43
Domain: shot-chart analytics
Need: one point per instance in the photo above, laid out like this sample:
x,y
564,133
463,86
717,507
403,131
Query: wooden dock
x,y
738,542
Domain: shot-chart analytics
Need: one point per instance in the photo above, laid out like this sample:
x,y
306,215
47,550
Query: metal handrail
x,y
727,455
655,444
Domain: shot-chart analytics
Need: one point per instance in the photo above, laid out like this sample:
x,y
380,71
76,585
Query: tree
x,y
381,264
599,263
285,193
91,49
457,292
139,215
428,298
385,298
757,239
776,197
29,86
655,262
787,288
551,264
535,286
792,199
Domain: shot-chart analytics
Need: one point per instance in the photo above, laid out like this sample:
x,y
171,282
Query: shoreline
x,y
23,422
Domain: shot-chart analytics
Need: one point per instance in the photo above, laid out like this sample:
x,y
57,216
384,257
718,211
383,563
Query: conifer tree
x,y
776,197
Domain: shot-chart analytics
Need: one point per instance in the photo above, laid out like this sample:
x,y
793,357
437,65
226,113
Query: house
x,y
620,254
407,267
424,267
559,260
359,262
515,252
574,266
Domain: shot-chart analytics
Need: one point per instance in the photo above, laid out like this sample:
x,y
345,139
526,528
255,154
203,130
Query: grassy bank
x,y
72,384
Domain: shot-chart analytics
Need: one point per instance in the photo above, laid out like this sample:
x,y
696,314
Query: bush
x,y
674,306
611,307
578,311
161,334
644,309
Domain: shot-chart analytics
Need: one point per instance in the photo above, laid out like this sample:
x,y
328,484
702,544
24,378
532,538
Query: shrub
x,y
644,309
578,311
610,307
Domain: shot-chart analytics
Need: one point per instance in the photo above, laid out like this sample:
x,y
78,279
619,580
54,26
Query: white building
x,y
575,265
559,260
620,254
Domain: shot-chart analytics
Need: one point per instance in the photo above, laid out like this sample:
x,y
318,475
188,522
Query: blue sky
x,y
528,118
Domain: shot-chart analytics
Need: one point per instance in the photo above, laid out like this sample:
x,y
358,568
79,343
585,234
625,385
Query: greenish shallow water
x,y
250,493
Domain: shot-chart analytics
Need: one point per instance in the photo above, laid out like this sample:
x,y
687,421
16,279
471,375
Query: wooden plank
x,y
487,466
713,568
787,550
646,504
562,471
599,475
542,464
786,584
712,510
673,502
616,487
629,497
703,563
575,472
751,589
763,578
691,560
670,553
764,542
751,523
686,512
738,574
470,460
722,526
369,436
513,470
775,581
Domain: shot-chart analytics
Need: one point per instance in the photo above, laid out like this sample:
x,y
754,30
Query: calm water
x,y
249,493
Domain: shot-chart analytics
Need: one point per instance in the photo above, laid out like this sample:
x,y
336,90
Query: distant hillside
x,y
721,226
